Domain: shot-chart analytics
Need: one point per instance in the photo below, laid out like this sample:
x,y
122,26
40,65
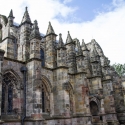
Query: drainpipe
x,y
24,70
1,77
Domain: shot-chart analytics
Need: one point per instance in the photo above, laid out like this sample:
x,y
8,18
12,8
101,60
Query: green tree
x,y
119,68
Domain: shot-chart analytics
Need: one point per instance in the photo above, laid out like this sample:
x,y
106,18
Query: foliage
x,y
119,68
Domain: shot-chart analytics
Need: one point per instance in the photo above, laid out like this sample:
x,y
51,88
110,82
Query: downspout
x,y
24,70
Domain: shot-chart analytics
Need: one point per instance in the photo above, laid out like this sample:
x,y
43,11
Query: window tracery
x,y
42,97
8,83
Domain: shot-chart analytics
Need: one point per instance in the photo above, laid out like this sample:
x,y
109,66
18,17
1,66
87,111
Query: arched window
x,y
94,108
10,98
42,57
71,100
14,46
42,97
7,93
45,99
3,97
69,89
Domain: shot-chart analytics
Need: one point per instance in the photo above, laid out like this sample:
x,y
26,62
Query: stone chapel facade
x,y
45,82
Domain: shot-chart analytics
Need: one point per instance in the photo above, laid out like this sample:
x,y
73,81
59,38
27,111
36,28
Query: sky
x,y
102,20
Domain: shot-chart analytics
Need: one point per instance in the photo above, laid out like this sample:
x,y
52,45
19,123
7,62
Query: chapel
x,y
50,81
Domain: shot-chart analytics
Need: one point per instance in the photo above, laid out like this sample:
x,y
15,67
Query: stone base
x,y
100,123
113,123
61,121
37,117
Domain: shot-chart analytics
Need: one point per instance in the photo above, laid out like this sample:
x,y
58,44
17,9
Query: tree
x,y
119,68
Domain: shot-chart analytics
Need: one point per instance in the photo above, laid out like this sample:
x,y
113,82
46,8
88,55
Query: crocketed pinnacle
x,y
60,44
93,41
106,62
69,39
50,29
26,17
11,14
35,31
94,52
84,47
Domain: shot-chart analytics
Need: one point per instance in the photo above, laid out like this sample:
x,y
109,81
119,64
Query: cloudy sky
x,y
102,20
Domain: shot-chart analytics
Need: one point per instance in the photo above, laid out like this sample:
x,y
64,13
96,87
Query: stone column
x,y
61,97
1,64
33,103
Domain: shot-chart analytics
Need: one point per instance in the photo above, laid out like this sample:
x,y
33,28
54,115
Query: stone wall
x,y
76,86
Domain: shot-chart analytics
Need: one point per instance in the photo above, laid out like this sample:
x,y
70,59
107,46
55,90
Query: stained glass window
x,y
43,101
7,92
10,99
3,98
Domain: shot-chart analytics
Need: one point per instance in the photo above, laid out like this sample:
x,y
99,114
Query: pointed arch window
x,y
71,100
69,89
42,57
94,108
7,93
10,98
45,99
3,98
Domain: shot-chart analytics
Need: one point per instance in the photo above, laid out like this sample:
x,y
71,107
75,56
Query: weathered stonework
x,y
45,82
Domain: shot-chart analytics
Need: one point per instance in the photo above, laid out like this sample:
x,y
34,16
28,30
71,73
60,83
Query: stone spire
x,y
50,29
50,40
10,18
71,60
94,52
69,39
60,44
11,14
35,31
84,47
93,41
26,17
